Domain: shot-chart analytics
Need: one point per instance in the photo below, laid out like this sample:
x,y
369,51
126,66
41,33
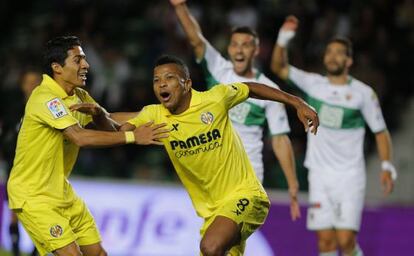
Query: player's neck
x,y
341,79
248,73
67,87
183,106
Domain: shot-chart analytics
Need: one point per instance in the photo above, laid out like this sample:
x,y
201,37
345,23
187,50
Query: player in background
x,y
249,117
52,131
335,157
208,155
16,98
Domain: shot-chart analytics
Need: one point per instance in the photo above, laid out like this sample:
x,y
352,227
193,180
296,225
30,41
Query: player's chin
x,y
240,68
81,82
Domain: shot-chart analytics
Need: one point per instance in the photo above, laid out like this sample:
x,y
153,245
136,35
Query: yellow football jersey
x,y
205,150
44,157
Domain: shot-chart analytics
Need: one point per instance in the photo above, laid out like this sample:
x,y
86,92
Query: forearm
x,y
104,122
264,92
122,117
92,138
191,28
282,148
280,62
384,145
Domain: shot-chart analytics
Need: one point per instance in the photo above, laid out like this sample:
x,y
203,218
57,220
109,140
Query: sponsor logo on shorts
x,y
241,206
207,118
56,231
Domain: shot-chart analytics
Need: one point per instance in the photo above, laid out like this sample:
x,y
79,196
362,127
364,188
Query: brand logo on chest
x,y
207,118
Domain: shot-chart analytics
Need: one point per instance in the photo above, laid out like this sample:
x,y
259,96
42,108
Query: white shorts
x,y
336,200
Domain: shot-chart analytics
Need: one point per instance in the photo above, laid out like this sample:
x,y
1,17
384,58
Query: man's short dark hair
x,y
345,42
169,59
56,50
245,30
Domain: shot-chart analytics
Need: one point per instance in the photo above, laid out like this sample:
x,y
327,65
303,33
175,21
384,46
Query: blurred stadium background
x,y
133,191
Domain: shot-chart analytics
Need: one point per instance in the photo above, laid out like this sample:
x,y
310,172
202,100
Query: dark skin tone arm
x,y
306,114
146,134
101,118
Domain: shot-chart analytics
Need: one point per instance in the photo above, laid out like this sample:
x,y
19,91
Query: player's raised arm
x,y
306,114
280,63
191,27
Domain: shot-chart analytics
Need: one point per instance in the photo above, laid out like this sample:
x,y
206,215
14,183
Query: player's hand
x,y
291,23
386,182
294,208
177,2
308,116
150,133
92,109
287,31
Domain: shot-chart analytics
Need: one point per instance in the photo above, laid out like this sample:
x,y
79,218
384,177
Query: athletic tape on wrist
x,y
284,37
388,166
129,137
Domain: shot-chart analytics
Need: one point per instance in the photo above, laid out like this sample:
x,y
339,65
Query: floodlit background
x,y
123,38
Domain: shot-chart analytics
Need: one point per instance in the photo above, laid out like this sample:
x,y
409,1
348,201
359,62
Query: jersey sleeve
x,y
51,111
276,117
231,94
371,110
300,79
212,64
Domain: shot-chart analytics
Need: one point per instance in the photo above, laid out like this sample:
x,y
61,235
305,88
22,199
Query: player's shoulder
x,y
152,108
41,94
307,74
81,93
221,88
360,86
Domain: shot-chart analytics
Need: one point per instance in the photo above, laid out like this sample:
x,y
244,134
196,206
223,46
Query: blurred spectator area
x,y
123,38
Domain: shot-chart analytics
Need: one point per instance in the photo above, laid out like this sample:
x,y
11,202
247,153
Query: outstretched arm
x,y
280,63
282,147
388,173
143,135
190,26
306,114
101,118
122,117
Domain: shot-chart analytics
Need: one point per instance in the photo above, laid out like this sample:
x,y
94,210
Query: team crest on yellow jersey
x,y
56,231
207,117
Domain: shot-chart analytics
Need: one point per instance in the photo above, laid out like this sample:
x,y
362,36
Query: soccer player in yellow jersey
x,y
51,133
208,155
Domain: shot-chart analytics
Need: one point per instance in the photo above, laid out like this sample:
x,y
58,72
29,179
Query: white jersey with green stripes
x,y
343,111
250,116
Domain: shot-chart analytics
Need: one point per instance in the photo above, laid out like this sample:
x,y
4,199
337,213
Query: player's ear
x,y
188,84
349,62
257,51
56,67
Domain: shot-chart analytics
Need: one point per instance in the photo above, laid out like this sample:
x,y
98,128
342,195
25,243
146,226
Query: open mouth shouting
x,y
165,96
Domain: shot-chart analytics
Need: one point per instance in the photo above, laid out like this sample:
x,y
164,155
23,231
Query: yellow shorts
x,y
247,208
52,227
